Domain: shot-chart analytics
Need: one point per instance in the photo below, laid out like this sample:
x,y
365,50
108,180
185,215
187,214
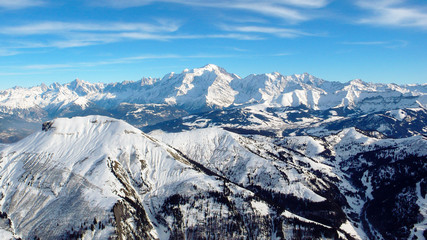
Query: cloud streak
x,y
291,10
137,3
20,4
386,44
7,52
80,34
71,34
279,32
393,13
365,43
57,28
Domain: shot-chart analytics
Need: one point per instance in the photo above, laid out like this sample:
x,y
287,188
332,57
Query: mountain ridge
x,y
211,85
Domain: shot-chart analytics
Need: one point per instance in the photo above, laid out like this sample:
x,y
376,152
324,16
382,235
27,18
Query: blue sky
x,y
115,40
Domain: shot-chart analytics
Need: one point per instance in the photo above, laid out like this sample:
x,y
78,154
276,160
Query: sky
x,y
46,41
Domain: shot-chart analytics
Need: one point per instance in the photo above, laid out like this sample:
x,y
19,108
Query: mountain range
x,y
206,154
151,100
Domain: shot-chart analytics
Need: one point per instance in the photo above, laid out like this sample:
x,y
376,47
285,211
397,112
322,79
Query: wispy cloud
x,y
365,43
80,34
396,13
281,54
13,73
7,52
58,28
46,66
386,44
306,3
96,39
136,3
272,10
70,34
292,10
280,32
238,49
144,36
19,4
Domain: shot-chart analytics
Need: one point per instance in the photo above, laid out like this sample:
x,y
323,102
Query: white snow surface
x,y
288,214
398,114
6,235
261,207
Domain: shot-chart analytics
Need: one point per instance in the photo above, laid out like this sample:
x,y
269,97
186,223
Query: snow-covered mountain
x,y
150,101
317,94
211,86
220,157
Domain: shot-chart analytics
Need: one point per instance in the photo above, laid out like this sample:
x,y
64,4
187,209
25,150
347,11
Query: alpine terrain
x,y
206,154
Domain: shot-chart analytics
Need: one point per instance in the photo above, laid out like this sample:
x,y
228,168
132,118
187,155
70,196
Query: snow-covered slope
x,y
348,162
380,179
97,177
82,169
245,162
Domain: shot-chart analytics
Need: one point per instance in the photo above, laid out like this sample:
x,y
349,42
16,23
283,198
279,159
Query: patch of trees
x,y
326,212
393,175
77,233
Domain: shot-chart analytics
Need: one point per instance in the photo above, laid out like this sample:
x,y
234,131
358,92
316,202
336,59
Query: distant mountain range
x,y
211,87
150,100
219,157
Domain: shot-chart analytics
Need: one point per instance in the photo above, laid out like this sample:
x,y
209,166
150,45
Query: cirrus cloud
x,y
57,34
19,4
291,10
277,31
397,13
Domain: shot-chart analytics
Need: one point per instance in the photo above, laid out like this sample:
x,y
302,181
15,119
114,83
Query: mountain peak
x,y
309,79
207,68
211,67
82,87
93,126
357,81
78,81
